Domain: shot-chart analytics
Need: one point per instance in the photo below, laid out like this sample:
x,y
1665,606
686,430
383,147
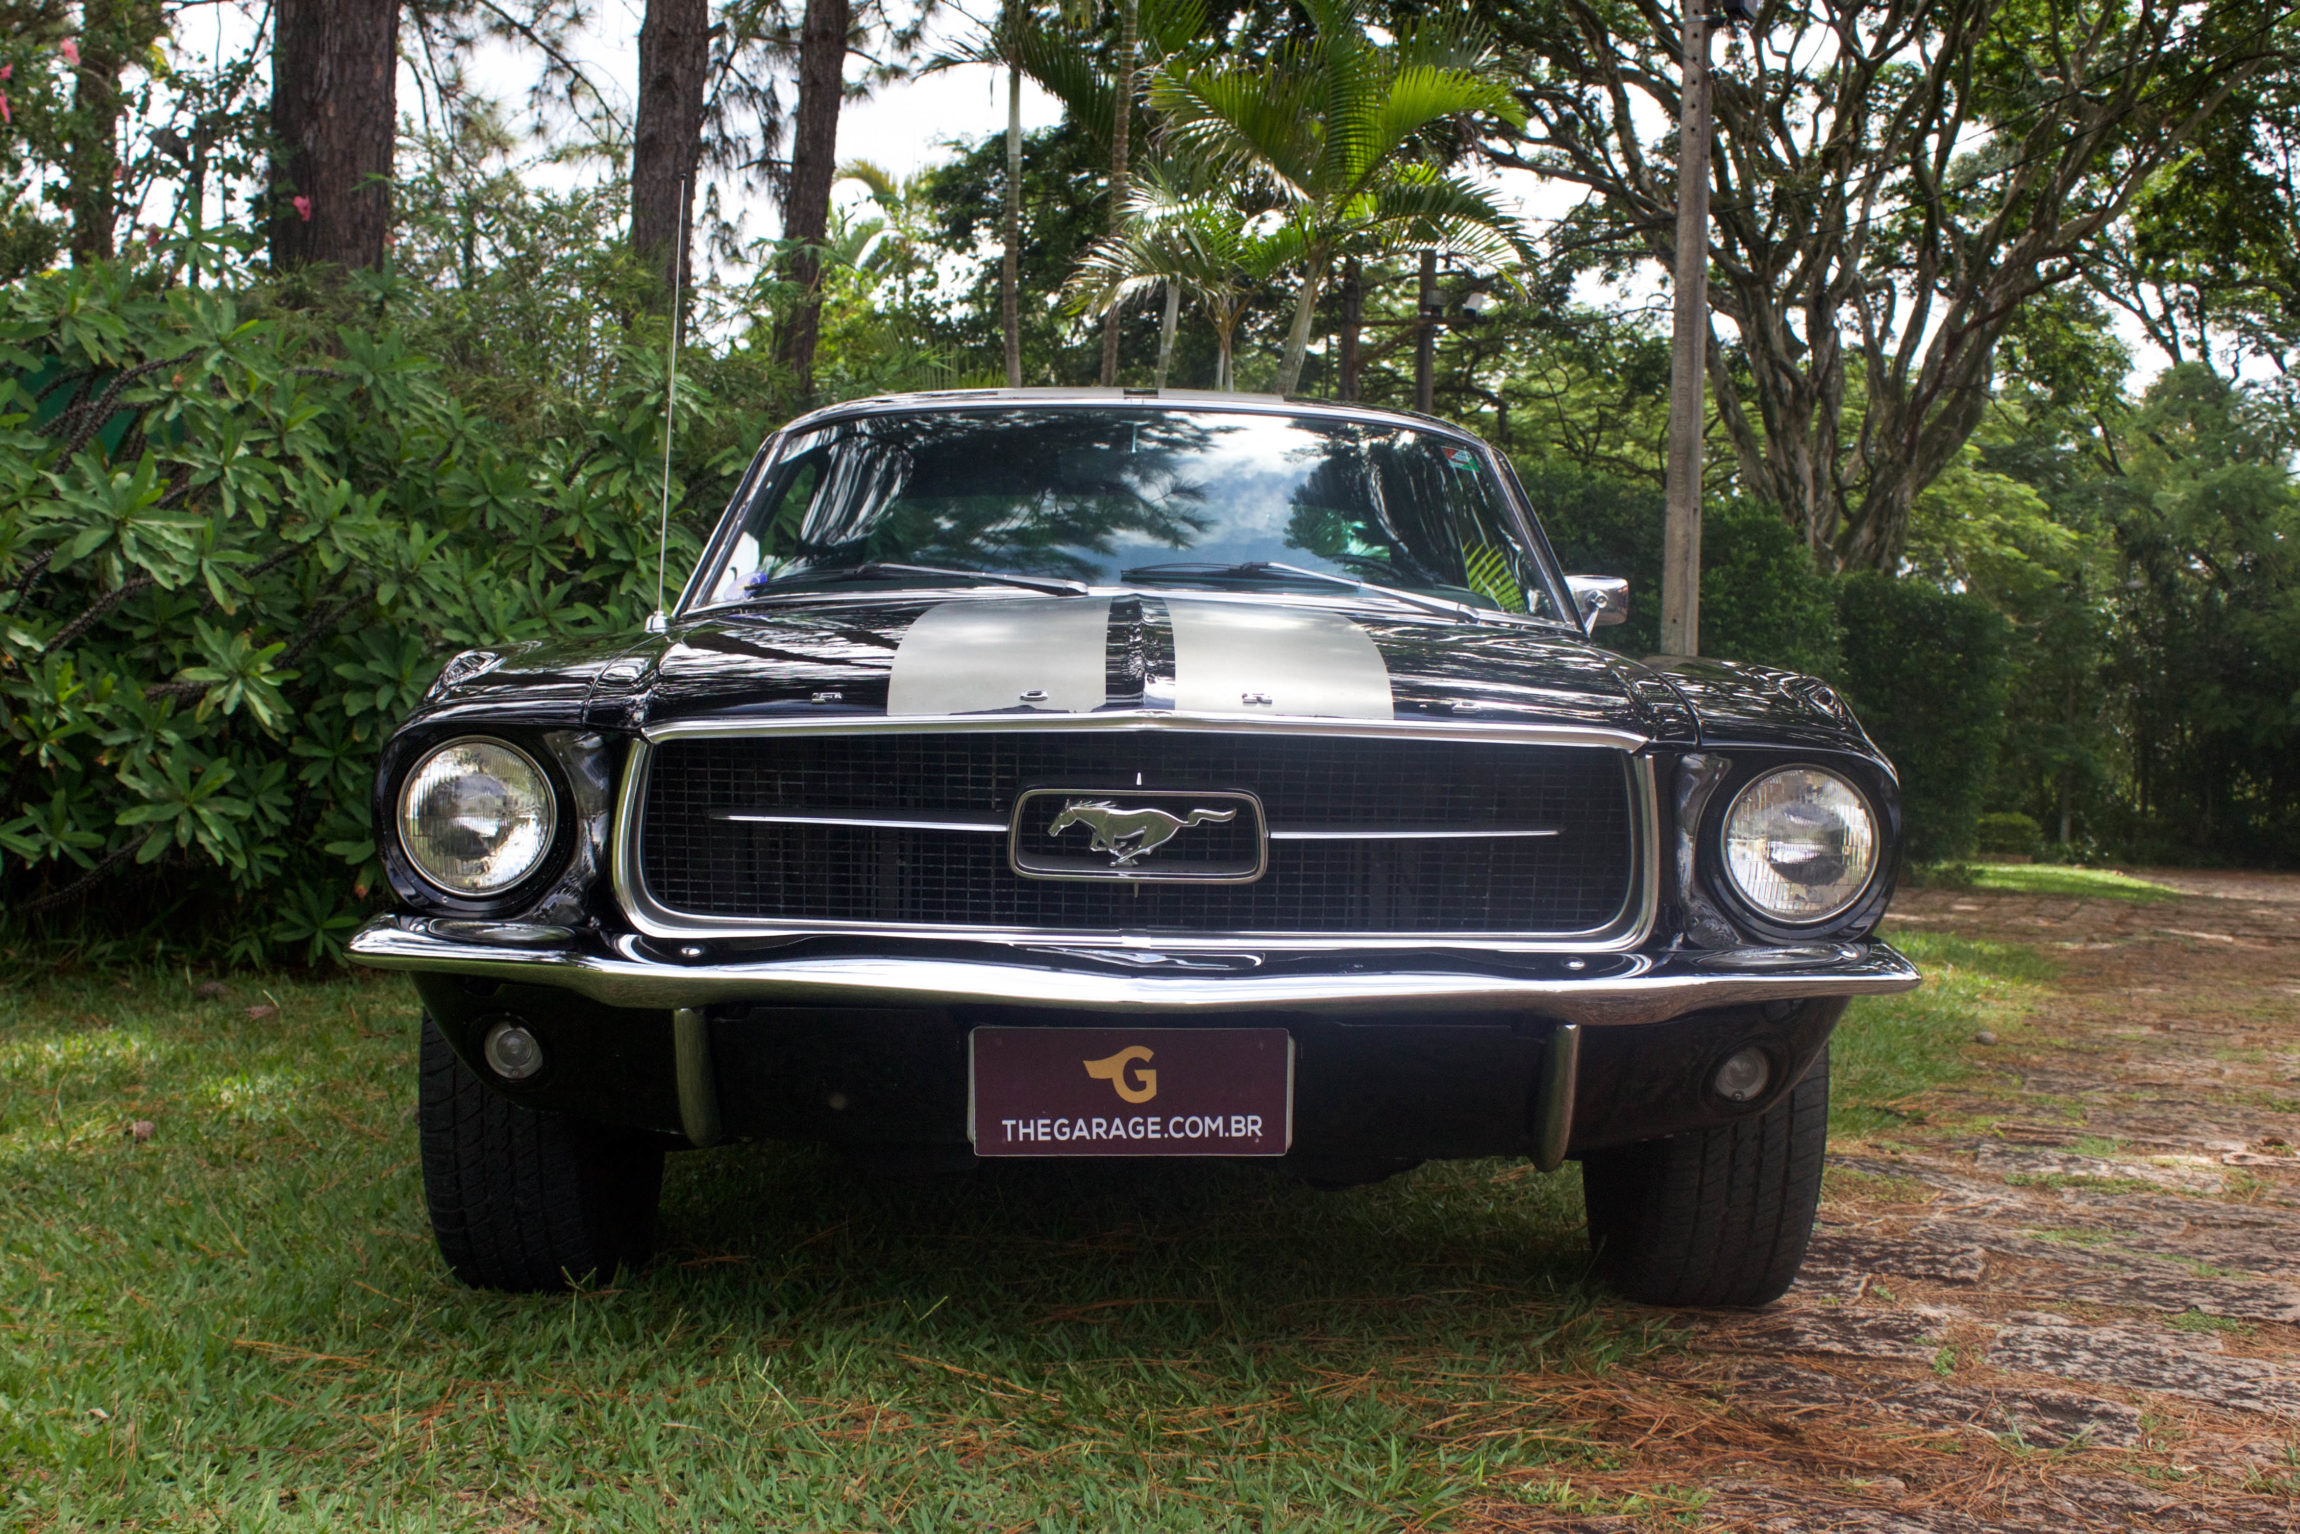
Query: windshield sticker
x,y
1461,457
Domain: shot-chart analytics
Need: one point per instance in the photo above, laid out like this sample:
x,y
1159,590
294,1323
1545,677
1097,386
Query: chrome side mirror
x,y
1600,599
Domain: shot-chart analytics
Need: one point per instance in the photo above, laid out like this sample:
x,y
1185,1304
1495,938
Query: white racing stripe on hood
x,y
979,654
1302,661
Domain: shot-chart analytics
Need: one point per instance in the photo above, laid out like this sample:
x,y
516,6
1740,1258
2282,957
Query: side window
x,y
1524,560
778,528
770,528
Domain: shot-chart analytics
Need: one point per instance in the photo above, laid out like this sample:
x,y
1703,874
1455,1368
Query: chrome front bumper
x,y
1599,990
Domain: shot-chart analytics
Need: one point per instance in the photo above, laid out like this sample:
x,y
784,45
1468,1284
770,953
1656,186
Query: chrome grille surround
x,y
1626,929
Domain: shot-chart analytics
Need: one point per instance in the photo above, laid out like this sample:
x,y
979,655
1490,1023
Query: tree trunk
x,y
335,68
814,166
1166,330
1009,298
1860,252
1121,124
667,144
1225,337
1425,333
112,33
1315,260
1353,325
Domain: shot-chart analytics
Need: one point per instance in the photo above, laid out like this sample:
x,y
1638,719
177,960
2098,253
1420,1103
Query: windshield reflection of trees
x,y
1385,506
1058,493
1032,493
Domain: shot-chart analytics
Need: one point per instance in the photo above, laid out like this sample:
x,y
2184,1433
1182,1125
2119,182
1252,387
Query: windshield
x,y
1212,499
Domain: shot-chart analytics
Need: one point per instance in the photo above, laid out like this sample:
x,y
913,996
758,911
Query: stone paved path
x,y
2067,1298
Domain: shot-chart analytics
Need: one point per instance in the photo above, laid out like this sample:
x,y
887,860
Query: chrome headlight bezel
x,y
549,837
1748,910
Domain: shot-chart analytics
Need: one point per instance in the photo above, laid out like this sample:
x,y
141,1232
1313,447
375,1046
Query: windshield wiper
x,y
875,568
1264,568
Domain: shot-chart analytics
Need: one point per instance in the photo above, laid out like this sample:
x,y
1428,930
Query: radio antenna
x,y
662,618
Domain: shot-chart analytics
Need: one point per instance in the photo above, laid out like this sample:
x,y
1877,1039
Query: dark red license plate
x,y
1131,1091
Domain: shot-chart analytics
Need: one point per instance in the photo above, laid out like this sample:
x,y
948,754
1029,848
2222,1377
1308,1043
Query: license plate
x,y
1130,1091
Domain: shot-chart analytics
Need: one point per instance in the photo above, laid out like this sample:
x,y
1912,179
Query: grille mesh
x,y
700,866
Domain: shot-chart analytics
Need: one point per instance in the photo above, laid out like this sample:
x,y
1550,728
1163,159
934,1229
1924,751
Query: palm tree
x,y
1178,237
1062,60
888,242
1339,132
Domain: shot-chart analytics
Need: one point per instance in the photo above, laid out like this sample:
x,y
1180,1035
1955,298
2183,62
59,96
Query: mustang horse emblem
x,y
1127,834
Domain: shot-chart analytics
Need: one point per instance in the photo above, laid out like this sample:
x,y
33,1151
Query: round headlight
x,y
476,817
1800,844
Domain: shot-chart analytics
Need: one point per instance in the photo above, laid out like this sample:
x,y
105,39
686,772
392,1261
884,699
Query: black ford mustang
x,y
1087,774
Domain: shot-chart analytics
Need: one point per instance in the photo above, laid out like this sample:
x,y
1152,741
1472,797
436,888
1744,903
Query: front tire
x,y
1717,1216
526,1200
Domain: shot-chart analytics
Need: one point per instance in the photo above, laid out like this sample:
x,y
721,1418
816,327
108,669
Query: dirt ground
x,y
2065,1297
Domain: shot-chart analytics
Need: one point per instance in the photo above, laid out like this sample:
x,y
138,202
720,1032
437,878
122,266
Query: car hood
x,y
1198,653
1209,655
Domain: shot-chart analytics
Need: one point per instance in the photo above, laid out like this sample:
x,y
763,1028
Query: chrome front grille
x,y
1367,836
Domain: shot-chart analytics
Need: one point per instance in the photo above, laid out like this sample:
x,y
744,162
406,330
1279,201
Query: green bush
x,y
2007,834
236,542
1925,669
1938,876
1762,598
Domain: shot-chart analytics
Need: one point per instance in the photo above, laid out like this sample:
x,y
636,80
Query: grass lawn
x,y
2054,879
1890,1049
240,1322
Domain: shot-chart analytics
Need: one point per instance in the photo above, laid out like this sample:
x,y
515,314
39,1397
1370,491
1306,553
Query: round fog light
x,y
512,1052
1743,1075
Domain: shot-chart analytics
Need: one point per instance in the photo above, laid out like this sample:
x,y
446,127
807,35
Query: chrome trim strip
x,y
868,822
1000,827
1463,834
1628,929
1159,719
698,1083
1553,1108
1648,987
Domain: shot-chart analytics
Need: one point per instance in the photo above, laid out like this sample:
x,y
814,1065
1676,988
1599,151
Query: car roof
x,y
1176,399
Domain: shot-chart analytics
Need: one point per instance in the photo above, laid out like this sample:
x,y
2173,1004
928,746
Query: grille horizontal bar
x,y
1000,827
1390,837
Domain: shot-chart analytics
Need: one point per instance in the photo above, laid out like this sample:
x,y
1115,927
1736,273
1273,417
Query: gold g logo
x,y
1113,1070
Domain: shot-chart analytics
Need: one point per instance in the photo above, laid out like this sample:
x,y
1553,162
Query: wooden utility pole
x,y
1129,44
1009,300
1681,534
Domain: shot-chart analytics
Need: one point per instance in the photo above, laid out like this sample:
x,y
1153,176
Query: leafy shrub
x,y
1762,598
1938,876
236,542
2007,834
1925,669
